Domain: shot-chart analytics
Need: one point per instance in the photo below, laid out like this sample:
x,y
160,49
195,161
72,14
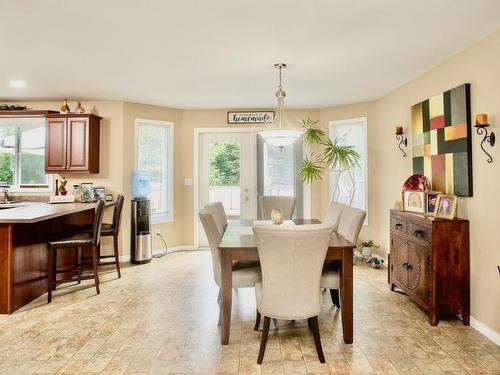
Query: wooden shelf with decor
x,y
429,261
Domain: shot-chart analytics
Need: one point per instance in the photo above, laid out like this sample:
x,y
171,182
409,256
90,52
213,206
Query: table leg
x,y
346,295
226,289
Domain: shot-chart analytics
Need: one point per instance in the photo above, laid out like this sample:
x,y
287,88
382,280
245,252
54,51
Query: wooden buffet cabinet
x,y
429,261
72,143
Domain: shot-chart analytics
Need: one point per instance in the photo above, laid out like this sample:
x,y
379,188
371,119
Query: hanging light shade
x,y
280,133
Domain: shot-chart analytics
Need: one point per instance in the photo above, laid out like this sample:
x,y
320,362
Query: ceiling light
x,y
280,132
17,84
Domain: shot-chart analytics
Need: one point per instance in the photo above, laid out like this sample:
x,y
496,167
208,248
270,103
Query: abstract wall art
x,y
441,139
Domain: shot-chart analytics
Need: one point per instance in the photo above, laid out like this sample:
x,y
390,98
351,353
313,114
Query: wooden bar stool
x,y
76,243
113,230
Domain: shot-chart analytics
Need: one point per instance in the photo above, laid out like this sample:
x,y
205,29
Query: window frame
x,y
27,188
364,122
161,217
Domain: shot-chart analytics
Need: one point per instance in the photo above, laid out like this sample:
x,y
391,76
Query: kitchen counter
x,y
32,212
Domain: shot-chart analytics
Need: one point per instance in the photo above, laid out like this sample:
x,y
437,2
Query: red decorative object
x,y
417,182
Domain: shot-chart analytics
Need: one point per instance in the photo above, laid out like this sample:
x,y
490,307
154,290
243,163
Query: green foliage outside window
x,y
224,160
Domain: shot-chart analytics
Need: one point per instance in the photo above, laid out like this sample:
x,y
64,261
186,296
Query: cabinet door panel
x,y
55,144
418,260
78,144
399,256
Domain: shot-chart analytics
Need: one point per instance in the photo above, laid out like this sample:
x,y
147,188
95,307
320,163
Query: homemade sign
x,y
237,117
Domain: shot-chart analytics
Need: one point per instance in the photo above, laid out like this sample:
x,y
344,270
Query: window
x,y
155,154
352,190
22,155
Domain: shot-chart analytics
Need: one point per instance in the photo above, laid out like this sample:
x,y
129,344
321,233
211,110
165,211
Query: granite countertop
x,y
32,212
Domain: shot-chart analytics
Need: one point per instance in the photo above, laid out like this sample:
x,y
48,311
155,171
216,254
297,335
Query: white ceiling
x,y
220,53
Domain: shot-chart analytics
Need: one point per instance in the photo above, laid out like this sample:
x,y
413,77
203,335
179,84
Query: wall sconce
x,y
400,136
482,128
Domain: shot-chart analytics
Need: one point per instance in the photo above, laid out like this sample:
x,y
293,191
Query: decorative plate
x,y
417,182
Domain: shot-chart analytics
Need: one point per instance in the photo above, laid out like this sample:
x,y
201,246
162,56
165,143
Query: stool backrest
x,y
117,213
96,227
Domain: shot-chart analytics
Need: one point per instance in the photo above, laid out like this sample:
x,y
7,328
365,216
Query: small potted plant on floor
x,y
366,249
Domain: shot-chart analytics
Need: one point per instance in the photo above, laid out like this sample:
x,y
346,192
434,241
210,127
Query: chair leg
x,y
96,274
309,324
117,258
79,263
54,268
317,341
263,341
49,275
257,321
334,293
276,325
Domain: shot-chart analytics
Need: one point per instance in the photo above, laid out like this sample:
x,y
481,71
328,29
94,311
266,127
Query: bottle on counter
x,y
76,193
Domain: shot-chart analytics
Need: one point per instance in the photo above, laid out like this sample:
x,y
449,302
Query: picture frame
x,y
446,206
430,201
249,117
87,192
98,193
414,201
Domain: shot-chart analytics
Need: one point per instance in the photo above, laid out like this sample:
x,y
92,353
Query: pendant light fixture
x,y
280,133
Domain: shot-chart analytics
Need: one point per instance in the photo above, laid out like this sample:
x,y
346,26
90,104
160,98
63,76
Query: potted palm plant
x,y
329,154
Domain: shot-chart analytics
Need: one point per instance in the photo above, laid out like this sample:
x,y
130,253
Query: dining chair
x,y
113,230
244,276
290,285
350,221
75,242
285,204
332,216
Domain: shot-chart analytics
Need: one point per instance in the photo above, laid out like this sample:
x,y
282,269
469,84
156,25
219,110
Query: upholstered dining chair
x,y
243,276
349,222
290,285
333,214
285,204
113,230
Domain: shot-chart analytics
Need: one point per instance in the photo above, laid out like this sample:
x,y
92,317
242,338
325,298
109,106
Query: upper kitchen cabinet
x,y
72,143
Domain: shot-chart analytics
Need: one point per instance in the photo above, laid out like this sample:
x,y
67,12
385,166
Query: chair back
x,y
117,213
96,227
219,213
285,204
351,221
292,260
214,236
333,214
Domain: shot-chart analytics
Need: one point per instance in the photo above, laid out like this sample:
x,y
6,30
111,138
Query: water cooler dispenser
x,y
141,242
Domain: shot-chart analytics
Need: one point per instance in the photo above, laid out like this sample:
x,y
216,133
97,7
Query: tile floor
x,y
161,318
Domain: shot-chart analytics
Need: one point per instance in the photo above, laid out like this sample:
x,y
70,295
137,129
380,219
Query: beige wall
x,y
479,66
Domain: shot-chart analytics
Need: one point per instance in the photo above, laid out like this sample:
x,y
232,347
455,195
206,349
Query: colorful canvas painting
x,y
441,138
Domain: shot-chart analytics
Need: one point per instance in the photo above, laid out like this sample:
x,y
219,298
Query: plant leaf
x,y
339,157
310,170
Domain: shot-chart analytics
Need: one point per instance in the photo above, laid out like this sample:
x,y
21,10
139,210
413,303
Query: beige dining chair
x,y
349,222
333,214
285,204
290,285
243,276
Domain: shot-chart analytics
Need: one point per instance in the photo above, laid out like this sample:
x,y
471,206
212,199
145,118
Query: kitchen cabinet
x,y
72,143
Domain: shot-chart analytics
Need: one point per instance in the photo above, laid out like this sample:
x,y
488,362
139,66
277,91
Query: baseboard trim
x,y
172,249
485,330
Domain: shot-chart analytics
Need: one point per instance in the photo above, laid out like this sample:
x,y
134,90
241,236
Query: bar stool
x,y
76,242
113,230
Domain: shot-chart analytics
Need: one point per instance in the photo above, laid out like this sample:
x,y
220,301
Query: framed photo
x,y
98,193
87,192
430,201
414,201
446,206
239,117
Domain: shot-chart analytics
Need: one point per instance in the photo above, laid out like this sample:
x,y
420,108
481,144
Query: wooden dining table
x,y
238,243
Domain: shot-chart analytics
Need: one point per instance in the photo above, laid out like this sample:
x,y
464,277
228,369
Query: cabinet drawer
x,y
418,231
398,224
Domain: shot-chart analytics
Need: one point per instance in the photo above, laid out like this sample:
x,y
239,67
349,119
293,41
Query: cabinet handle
x,y
418,233
398,225
407,265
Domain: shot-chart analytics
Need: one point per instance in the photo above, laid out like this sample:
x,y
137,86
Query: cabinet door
x,y
55,144
418,267
78,144
399,256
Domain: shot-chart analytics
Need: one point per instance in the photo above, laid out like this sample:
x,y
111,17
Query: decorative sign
x,y
250,117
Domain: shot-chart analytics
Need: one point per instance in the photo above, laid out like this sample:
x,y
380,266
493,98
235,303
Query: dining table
x,y
238,244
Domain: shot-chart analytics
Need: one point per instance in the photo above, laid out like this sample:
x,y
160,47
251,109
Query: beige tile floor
x,y
161,318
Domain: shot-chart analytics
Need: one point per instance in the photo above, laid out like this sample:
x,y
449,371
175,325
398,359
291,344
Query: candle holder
x,y
402,141
490,138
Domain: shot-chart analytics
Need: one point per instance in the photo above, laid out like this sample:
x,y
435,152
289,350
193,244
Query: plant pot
x,y
366,252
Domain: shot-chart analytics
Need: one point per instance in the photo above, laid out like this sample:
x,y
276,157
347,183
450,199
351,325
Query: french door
x,y
227,174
